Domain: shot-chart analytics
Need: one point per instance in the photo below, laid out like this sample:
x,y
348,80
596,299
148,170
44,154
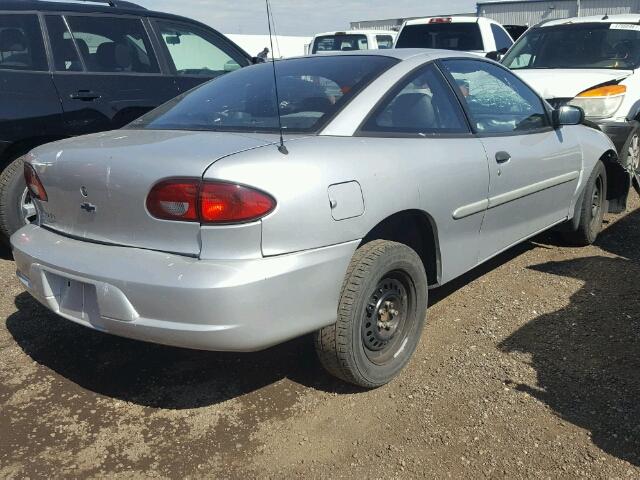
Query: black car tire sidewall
x,y
12,187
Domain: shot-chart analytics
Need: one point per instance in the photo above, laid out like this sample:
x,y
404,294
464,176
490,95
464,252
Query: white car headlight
x,y
601,102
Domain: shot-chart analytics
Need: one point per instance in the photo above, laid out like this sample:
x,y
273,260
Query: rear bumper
x,y
618,132
226,305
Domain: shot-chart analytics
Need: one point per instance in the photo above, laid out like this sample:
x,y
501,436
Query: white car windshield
x,y
584,45
311,91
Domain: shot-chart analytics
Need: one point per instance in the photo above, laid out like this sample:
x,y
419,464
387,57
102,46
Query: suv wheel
x,y
16,207
380,316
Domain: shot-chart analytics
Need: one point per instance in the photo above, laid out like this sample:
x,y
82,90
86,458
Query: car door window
x,y
497,101
21,44
108,45
196,53
503,42
384,41
421,105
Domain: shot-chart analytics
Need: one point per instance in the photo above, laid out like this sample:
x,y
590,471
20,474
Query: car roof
x,y
398,53
113,7
620,18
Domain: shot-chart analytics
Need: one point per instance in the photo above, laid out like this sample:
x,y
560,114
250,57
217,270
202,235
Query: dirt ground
x,y
529,367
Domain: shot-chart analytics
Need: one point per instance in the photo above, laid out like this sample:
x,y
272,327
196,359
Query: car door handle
x,y
84,95
503,157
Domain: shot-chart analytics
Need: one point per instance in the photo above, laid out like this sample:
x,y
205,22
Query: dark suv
x,y
74,68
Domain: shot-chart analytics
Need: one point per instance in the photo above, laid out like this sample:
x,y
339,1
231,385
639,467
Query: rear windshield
x,y
588,45
448,36
340,43
311,91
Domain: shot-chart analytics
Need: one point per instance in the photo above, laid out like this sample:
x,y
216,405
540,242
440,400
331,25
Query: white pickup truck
x,y
478,35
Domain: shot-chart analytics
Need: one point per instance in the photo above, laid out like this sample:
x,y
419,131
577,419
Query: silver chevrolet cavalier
x,y
400,170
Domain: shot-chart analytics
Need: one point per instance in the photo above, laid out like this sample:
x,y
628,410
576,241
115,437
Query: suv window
x,y
503,42
498,102
21,44
384,41
449,36
107,44
423,104
196,53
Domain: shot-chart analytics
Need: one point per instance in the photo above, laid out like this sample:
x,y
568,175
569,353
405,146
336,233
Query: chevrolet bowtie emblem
x,y
88,207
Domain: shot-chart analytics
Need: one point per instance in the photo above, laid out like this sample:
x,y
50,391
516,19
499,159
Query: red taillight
x,y
191,200
441,20
175,199
229,203
36,189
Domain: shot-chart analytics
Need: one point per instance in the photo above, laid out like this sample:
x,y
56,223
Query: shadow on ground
x,y
587,355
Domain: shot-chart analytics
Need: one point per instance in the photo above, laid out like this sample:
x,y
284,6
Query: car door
x,y
533,167
29,104
106,70
421,129
195,54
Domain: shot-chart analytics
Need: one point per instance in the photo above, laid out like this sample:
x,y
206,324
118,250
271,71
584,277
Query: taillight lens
x,y
192,200
36,189
175,199
229,203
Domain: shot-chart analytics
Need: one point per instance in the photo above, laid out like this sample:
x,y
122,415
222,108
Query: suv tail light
x,y
36,189
441,20
192,200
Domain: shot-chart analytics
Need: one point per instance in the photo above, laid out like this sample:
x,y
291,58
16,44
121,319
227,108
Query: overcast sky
x,y
302,17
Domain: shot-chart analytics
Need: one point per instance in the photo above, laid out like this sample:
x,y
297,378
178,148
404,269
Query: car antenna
x,y
281,148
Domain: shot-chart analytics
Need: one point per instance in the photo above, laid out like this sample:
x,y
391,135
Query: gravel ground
x,y
529,367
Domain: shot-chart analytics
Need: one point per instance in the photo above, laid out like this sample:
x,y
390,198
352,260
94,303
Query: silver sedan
x,y
399,171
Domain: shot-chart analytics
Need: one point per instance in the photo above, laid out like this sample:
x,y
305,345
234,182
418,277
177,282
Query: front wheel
x,y
594,205
633,158
16,206
381,314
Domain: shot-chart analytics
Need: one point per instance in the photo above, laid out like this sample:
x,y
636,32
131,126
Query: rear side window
x,y
197,53
384,41
503,42
111,44
21,44
448,36
424,104
65,54
340,42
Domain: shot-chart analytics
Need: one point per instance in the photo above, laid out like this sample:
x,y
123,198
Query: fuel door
x,y
345,200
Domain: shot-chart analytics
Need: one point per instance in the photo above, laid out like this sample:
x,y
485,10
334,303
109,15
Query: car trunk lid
x,y
97,185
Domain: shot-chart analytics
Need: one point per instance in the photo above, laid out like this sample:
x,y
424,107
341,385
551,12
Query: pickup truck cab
x,y
69,69
477,35
352,40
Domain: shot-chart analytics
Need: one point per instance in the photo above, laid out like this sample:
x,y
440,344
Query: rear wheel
x,y
380,315
16,206
594,203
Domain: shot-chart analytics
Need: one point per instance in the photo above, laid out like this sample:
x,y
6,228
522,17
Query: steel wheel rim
x,y
596,203
28,212
386,319
634,154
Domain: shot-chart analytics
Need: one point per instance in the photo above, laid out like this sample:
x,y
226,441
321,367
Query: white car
x,y
589,62
352,40
478,35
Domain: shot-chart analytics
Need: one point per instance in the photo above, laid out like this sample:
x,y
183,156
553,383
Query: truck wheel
x,y
594,205
16,207
381,314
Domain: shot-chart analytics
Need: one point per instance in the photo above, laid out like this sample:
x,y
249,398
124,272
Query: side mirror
x,y
567,115
496,56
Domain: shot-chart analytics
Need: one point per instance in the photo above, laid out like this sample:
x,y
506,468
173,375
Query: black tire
x,y
12,191
369,345
592,210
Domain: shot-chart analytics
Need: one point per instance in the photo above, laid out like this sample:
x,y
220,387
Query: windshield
x,y
448,36
340,42
588,45
311,91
